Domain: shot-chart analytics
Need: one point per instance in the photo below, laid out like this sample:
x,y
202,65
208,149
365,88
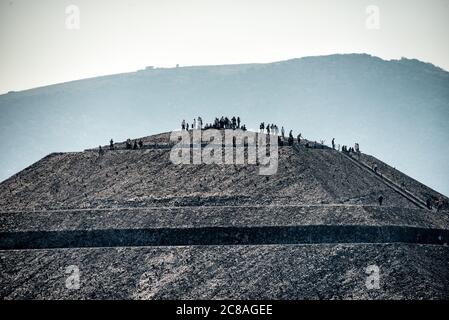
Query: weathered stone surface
x,y
139,178
229,272
139,227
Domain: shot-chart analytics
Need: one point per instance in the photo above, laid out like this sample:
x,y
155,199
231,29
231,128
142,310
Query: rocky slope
x,y
133,178
229,272
139,227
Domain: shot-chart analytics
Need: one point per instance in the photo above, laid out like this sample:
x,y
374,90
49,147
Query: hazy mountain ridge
x,y
397,110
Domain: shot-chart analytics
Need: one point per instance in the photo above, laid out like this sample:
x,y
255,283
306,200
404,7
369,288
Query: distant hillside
x,y
397,110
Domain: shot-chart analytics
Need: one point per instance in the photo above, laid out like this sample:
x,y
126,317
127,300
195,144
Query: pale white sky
x,y
115,36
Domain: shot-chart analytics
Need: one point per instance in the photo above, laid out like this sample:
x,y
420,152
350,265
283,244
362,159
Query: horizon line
x,y
216,65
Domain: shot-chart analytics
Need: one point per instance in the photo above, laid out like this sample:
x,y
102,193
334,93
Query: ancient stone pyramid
x,y
137,226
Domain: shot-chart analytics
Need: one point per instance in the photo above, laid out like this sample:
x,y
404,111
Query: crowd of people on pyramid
x,y
350,149
222,123
271,129
129,145
234,122
134,146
